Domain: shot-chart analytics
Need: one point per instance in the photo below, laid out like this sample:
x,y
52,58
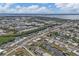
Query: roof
x,y
1,50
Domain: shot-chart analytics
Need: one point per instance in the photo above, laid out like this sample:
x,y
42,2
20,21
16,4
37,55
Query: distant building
x,y
2,32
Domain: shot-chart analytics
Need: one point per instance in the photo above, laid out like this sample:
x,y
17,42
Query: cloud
x,y
68,7
60,5
5,8
32,9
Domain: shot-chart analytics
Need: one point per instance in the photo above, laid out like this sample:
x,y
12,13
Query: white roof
x,y
38,39
1,30
1,50
46,54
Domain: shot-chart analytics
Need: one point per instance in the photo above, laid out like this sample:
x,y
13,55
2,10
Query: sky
x,y
40,8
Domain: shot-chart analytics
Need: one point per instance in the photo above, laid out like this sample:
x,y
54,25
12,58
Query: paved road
x,y
25,42
29,51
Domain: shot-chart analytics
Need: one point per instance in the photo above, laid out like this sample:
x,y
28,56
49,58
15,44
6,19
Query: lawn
x,y
5,39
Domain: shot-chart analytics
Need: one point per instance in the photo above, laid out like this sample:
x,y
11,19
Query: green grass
x,y
10,37
5,39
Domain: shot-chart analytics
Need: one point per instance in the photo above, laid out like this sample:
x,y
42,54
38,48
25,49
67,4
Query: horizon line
x,y
35,14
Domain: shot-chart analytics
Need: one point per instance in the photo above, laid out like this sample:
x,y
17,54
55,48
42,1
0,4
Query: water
x,y
72,17
64,16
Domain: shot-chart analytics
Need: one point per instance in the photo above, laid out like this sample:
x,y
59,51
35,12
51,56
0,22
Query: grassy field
x,y
5,39
10,37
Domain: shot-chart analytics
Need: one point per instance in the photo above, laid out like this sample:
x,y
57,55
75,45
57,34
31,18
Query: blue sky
x,y
40,8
